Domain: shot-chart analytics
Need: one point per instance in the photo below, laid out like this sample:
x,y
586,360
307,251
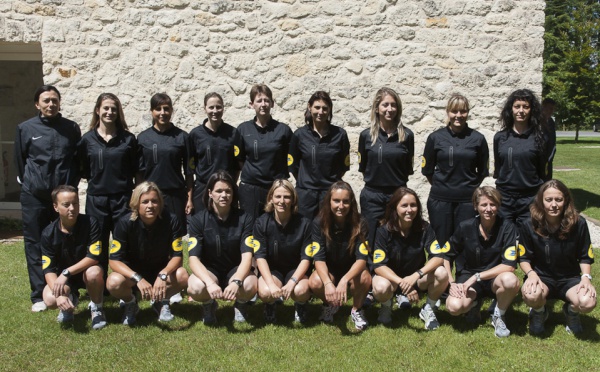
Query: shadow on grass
x,y
585,199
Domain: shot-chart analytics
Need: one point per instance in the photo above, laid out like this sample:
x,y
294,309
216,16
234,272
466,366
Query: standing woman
x,y
283,250
557,258
264,152
164,152
213,146
520,155
340,254
484,248
400,262
108,156
319,154
220,249
385,154
45,156
455,161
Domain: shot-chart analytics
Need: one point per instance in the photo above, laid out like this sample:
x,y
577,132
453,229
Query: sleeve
x,y
362,153
188,160
543,160
260,237
510,249
483,160
308,251
345,152
361,247
319,242
286,146
247,244
294,155
95,247
191,166
178,232
455,244
49,259
237,144
428,160
241,148
380,251
74,179
586,255
410,144
140,157
196,231
497,160
119,246
20,155
525,245
84,161
431,245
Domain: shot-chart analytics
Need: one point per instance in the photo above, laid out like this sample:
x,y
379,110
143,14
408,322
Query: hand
x,y
342,292
58,289
331,294
189,207
532,284
413,296
288,289
585,287
230,292
64,303
214,290
469,283
456,290
159,290
275,291
407,283
145,289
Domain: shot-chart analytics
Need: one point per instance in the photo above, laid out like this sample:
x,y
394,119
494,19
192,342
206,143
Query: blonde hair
x,y
375,121
457,102
286,185
141,189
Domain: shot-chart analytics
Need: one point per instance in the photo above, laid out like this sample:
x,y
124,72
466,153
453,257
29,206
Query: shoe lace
x,y
499,322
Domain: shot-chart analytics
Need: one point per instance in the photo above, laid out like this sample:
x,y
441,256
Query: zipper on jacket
x,y
255,150
510,156
380,154
451,156
100,160
155,153
208,156
314,155
218,245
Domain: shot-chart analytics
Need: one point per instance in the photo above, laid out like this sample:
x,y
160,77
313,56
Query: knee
x,y
453,306
115,282
587,304
94,274
181,276
365,279
510,282
382,288
195,285
440,274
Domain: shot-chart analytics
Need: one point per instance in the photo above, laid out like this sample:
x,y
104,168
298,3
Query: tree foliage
x,y
571,60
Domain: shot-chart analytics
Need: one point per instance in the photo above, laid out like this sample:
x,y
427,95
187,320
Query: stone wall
x,y
425,50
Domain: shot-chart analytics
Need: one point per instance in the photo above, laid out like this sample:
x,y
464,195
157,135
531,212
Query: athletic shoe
x,y
65,316
38,307
240,312
369,300
500,326
428,316
385,312
327,313
358,317
403,302
300,315
98,318
130,310
176,298
163,310
473,316
573,321
536,321
269,313
210,312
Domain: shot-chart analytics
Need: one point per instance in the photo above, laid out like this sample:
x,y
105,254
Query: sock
x,y
95,306
430,302
387,303
498,311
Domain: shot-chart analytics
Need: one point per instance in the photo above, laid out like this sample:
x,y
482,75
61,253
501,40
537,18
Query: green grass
x,y
35,341
584,157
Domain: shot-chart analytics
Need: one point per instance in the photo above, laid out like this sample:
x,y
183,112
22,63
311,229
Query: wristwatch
x,y
478,277
67,273
587,276
162,276
136,277
237,281
421,274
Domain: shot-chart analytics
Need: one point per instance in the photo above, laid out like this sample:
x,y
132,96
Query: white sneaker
x,y
403,302
358,317
176,298
428,316
38,307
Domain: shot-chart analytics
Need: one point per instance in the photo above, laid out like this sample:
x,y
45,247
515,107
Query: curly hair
x,y
507,120
569,217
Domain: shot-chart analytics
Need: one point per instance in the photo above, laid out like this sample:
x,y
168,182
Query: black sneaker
x,y
300,314
573,321
269,313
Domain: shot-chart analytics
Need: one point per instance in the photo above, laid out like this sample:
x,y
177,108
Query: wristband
x,y
329,282
294,280
587,276
527,273
136,277
421,274
478,277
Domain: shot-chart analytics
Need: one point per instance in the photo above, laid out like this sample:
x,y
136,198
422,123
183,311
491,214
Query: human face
x,y
457,119
340,204
282,200
67,206
387,110
407,210
262,105
319,112
487,209
214,110
148,208
49,104
161,115
221,195
108,112
521,112
554,204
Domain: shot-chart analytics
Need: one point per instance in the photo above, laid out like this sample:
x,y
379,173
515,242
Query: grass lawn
x,y
36,342
578,166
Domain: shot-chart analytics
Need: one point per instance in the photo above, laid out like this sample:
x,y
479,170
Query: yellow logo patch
x,y
312,249
521,250
192,163
364,248
115,247
347,160
236,150
423,162
378,256
290,160
45,262
252,243
177,244
192,243
591,252
510,253
436,249
359,158
96,248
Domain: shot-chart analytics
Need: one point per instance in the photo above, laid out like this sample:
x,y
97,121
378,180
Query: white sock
x,y
95,306
498,311
430,302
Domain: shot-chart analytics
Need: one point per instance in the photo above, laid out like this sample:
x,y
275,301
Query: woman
x,y
146,255
164,152
213,146
264,151
520,154
557,258
340,255
319,154
455,161
283,251
45,156
385,154
108,156
484,248
399,259
220,249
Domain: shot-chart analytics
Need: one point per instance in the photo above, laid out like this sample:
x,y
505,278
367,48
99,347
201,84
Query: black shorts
x,y
224,278
75,282
557,288
309,201
281,278
483,288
